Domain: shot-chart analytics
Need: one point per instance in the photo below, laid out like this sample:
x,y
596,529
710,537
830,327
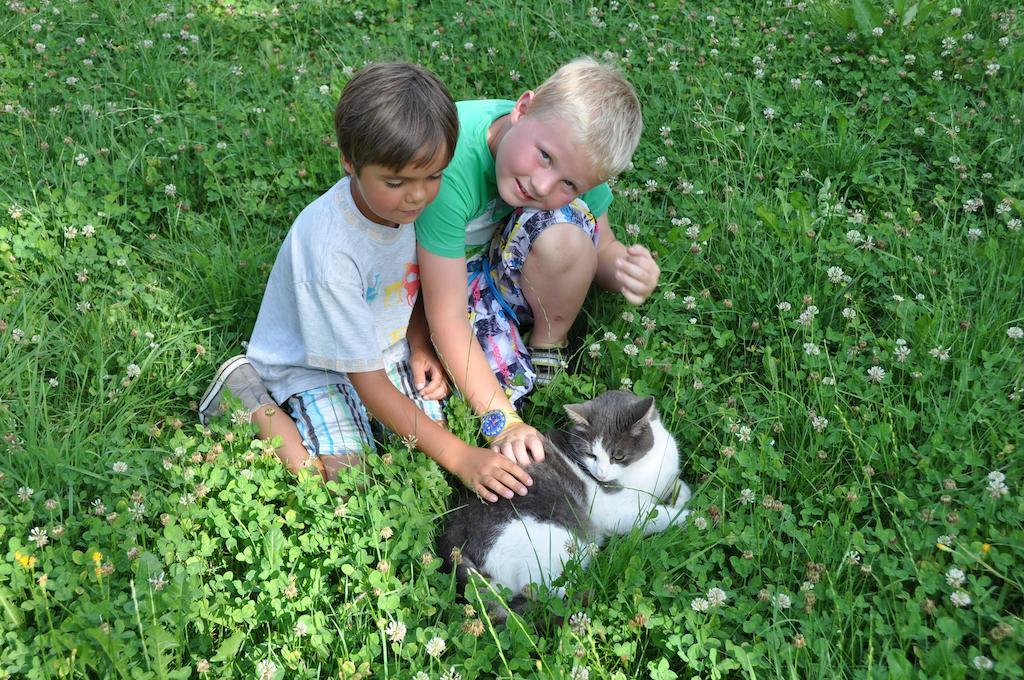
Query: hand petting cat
x,y
519,443
489,474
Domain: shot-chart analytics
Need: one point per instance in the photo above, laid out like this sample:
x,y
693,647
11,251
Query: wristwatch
x,y
494,422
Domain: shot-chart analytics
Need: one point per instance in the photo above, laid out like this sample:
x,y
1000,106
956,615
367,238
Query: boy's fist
x,y
637,273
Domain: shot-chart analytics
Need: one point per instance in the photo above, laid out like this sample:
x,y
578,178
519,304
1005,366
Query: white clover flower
x,y
579,623
877,31
158,583
690,302
133,371
1015,332
784,306
940,353
716,597
835,274
579,673
960,598
120,467
38,536
395,631
301,629
769,113
595,350
699,604
955,577
630,350
812,349
849,313
610,337
919,131
266,669
325,89
435,646
982,663
700,523
783,601
170,190
853,557
746,496
876,374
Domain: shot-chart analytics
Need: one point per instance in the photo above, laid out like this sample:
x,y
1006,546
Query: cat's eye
x,y
618,458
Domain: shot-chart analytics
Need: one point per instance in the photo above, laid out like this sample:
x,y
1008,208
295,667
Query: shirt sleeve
x,y
441,227
337,327
598,199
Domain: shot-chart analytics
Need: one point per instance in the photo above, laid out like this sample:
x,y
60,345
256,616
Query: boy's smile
x,y
392,197
536,162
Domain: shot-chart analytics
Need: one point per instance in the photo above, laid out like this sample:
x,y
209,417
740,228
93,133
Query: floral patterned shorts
x,y
498,309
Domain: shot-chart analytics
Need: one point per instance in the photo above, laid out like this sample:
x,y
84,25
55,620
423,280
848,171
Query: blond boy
x,y
521,216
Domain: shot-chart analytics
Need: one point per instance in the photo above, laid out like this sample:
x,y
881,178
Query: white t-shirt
x,y
338,299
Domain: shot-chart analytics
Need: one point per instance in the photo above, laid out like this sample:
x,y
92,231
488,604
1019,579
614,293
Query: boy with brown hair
x,y
341,332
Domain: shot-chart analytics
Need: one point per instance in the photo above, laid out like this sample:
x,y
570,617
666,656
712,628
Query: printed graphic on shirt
x,y
373,288
404,290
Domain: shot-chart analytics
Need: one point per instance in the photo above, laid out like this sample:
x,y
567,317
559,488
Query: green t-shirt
x,y
467,210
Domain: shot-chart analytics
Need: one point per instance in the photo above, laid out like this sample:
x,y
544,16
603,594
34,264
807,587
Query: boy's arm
x,y
428,375
484,471
631,270
443,282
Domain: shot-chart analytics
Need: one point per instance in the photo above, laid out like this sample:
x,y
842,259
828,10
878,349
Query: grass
x,y
158,154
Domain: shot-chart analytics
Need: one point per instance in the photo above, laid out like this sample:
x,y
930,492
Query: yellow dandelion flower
x,y
985,547
97,557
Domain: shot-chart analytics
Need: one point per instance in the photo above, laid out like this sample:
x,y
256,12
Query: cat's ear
x,y
646,408
578,413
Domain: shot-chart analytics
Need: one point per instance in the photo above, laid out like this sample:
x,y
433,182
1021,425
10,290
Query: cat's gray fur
x,y
610,472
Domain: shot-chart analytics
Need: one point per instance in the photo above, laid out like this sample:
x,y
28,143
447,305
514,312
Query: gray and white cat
x,y
610,472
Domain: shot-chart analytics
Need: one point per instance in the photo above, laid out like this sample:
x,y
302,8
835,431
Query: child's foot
x,y
241,379
549,362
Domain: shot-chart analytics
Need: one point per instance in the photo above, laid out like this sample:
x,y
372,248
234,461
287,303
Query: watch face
x,y
492,423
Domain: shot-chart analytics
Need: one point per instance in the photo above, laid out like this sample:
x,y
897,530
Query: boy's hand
x,y
518,443
428,374
637,273
490,474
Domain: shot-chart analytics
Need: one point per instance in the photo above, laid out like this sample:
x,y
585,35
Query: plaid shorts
x,y
333,421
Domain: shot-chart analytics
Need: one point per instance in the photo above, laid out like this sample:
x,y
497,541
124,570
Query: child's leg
x,y
333,426
542,264
555,280
274,422
237,376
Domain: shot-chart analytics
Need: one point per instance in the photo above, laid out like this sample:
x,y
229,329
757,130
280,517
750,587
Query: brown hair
x,y
393,114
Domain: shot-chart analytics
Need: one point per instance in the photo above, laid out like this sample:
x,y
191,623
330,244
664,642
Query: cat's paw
x,y
683,495
680,518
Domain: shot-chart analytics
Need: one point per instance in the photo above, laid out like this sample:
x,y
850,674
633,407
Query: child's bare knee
x,y
560,249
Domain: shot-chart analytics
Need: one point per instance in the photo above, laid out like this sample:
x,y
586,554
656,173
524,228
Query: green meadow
x,y
834,191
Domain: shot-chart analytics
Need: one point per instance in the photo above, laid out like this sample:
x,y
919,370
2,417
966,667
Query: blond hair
x,y
602,107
